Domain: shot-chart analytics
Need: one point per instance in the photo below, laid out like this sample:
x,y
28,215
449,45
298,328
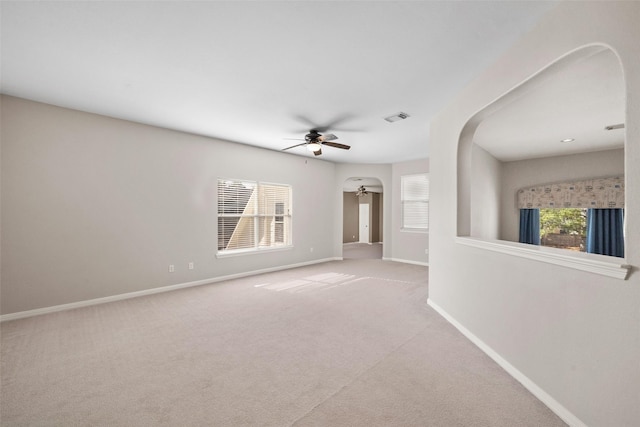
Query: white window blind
x,y
253,215
414,197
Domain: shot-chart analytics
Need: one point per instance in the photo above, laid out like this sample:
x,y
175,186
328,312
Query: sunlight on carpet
x,y
326,280
320,282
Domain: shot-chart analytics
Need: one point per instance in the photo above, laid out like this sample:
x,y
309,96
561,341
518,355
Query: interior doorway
x,y
363,223
362,218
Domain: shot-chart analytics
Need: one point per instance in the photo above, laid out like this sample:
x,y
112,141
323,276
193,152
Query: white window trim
x,y
258,249
402,201
592,263
251,251
414,230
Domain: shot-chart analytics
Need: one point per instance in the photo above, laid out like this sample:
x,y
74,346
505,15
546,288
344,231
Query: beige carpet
x,y
362,251
349,343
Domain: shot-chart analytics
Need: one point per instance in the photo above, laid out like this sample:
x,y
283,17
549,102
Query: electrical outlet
x,y
172,268
191,266
310,249
426,251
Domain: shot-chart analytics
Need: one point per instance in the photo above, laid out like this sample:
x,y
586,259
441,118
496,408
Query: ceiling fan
x,y
314,142
361,191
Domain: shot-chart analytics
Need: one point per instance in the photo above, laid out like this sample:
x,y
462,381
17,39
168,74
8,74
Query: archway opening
x,y
563,125
362,218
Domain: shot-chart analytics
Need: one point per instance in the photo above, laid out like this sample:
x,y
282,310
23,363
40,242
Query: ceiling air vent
x,y
397,117
612,127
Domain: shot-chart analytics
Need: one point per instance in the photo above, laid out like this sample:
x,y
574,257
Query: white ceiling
x,y
372,185
574,101
260,72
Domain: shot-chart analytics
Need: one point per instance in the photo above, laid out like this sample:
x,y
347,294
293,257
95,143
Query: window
x,y
278,230
414,198
564,228
592,230
253,216
586,215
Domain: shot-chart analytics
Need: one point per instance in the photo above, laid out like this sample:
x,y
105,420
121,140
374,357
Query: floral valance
x,y
588,193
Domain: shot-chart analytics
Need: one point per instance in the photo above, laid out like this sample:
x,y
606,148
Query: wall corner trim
x,y
538,392
169,288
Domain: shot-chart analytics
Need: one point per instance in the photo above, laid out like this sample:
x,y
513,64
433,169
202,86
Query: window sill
x,y
592,263
414,230
241,252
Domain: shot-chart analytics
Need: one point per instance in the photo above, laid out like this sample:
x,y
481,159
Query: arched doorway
x,y
362,218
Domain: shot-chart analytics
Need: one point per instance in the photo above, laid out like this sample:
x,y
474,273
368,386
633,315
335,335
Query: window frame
x,y
260,213
404,201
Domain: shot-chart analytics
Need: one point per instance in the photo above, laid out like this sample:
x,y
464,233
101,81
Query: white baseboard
x,y
543,396
103,300
406,261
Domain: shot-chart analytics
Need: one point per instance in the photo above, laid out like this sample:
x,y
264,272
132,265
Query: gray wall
x,y
574,334
95,207
485,194
376,218
350,215
407,245
375,215
525,173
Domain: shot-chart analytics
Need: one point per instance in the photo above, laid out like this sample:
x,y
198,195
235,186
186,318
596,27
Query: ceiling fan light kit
x,y
314,146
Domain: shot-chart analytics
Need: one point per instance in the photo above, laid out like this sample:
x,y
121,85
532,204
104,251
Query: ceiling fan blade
x,y
308,122
294,139
336,145
293,146
328,137
317,153
333,124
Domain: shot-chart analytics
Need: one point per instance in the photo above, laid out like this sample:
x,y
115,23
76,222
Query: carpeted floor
x,y
362,251
349,343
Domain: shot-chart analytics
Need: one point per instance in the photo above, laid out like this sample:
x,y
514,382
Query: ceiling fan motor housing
x,y
312,136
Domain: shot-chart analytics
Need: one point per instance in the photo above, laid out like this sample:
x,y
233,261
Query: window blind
x,y
253,215
414,197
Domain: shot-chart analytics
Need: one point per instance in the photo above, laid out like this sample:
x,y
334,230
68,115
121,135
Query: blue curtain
x,y
530,226
605,232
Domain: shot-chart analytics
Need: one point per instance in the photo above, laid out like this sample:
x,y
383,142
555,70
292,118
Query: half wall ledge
x,y
598,264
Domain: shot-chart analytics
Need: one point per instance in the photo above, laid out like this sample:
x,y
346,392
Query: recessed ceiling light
x,y
567,140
